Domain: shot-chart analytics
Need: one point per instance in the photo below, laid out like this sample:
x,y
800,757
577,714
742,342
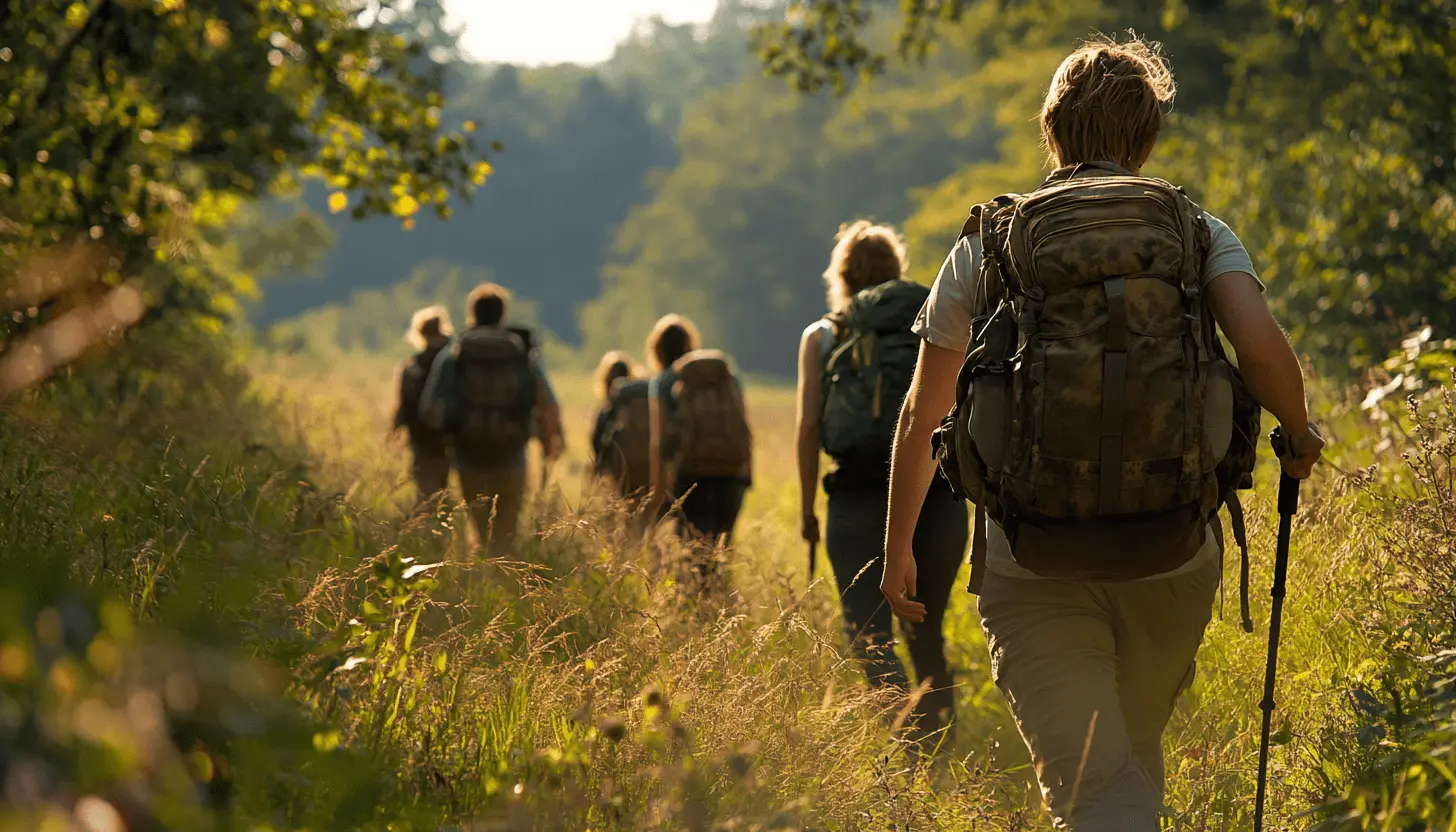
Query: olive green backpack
x,y
868,373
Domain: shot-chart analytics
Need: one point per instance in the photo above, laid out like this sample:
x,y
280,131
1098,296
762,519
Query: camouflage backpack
x,y
710,427
626,442
494,396
1100,422
868,373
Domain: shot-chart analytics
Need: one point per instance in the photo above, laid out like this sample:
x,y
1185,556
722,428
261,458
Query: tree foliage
x,y
1321,131
738,234
577,146
139,126
1336,159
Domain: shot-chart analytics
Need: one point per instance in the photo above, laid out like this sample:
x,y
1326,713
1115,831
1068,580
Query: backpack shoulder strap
x,y
983,210
1195,250
829,336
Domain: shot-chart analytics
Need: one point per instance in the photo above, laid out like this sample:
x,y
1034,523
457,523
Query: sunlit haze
x,y
559,31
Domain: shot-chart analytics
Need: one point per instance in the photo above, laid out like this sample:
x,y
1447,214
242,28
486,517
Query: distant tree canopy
x,y
671,179
138,126
739,233
578,146
1322,131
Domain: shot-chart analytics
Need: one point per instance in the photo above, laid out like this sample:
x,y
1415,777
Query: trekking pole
x,y
1288,507
813,559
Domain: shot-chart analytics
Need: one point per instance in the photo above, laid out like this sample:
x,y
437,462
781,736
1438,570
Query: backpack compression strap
x,y
1241,537
978,552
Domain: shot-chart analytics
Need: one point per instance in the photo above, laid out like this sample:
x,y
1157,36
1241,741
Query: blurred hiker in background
x,y
701,444
429,333
490,394
622,429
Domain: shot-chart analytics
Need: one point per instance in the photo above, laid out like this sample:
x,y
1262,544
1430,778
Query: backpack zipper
x,y
1099,224
1056,209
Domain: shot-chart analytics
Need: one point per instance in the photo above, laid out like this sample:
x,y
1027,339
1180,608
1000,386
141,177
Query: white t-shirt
x,y
945,321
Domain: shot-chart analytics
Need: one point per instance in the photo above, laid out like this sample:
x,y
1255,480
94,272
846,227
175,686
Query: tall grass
x,y
579,682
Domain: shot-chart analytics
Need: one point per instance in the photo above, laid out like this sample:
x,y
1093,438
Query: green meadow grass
x,y
401,681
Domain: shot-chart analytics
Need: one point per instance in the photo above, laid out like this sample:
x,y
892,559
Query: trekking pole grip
x,y
1288,486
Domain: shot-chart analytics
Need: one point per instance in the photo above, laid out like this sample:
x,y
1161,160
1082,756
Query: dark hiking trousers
x,y
708,513
855,539
710,507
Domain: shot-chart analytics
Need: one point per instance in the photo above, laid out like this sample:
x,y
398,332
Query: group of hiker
x,y
677,440
1065,374
473,401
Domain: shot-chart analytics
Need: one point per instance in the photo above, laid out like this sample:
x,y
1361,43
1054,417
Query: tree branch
x,y
57,69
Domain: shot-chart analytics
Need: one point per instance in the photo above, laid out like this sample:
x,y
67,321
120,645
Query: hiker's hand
x,y
898,587
810,528
1305,449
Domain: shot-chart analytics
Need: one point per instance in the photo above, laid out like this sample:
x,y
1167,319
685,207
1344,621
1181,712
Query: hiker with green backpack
x,y
488,392
1070,346
855,367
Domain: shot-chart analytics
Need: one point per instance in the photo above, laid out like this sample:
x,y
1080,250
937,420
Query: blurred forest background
x,y
676,177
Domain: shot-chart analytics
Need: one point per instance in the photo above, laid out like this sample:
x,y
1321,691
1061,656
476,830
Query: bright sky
x,y
558,31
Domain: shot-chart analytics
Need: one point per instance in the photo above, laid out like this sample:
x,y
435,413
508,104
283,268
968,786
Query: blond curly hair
x,y
865,254
613,366
427,323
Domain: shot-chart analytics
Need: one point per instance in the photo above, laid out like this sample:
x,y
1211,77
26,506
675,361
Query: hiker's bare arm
x,y
401,418
931,397
552,443
809,416
656,495
743,408
1266,360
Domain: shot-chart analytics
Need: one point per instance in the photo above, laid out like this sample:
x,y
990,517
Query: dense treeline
x,y
1322,134
576,146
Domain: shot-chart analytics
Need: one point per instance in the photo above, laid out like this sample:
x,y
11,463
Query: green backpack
x,y
868,373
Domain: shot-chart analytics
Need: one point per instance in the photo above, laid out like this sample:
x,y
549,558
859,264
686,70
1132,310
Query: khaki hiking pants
x,y
495,497
1092,671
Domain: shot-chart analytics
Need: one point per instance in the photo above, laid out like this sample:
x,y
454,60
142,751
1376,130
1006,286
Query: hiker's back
x,y
1099,445
709,426
495,396
626,444
413,374
867,375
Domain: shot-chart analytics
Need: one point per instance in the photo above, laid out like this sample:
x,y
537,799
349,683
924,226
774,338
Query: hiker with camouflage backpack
x,y
429,332
855,367
701,453
1099,429
487,390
